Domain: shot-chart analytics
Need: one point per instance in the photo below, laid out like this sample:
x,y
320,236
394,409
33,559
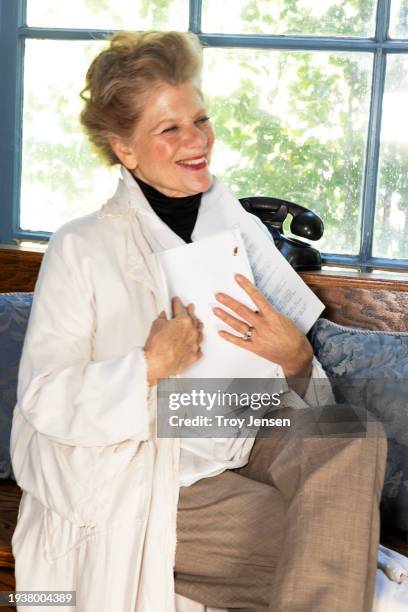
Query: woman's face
x,y
172,142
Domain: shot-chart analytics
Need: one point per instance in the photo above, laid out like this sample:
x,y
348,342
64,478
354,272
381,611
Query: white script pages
x,y
197,271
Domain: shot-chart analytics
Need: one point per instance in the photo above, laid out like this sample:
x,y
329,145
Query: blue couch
x,y
375,361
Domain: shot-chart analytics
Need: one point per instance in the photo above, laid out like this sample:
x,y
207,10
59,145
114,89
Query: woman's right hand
x,y
173,344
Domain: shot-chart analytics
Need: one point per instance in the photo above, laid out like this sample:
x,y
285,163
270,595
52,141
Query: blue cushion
x,y
369,369
14,313
345,352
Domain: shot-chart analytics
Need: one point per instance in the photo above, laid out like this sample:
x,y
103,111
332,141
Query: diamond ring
x,y
249,333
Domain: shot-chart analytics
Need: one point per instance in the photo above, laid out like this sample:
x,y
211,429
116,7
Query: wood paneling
x,y
9,501
7,583
362,300
397,540
18,269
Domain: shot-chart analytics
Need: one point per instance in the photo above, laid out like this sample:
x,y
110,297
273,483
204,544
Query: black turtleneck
x,y
180,214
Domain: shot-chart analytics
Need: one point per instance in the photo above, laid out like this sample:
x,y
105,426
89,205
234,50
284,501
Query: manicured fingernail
x,y
219,297
239,277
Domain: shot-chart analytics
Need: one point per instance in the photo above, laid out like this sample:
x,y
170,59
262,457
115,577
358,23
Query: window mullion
x,y
382,20
64,33
22,18
372,154
374,134
312,43
195,16
12,15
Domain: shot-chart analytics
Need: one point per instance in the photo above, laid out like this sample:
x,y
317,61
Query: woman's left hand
x,y
269,333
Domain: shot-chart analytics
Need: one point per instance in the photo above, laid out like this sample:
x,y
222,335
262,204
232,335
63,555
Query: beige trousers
x,y
295,530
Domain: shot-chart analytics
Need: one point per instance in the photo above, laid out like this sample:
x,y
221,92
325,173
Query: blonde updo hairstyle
x,y
121,78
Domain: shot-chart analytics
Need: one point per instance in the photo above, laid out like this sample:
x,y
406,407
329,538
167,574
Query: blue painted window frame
x,y
14,32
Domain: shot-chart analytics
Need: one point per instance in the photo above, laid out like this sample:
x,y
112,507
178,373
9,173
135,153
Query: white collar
x,y
129,198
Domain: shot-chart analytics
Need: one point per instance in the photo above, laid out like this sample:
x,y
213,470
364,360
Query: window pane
x,y
293,125
391,222
61,176
328,17
399,19
105,14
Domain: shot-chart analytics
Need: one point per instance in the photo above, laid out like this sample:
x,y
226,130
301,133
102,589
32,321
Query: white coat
x,y
100,490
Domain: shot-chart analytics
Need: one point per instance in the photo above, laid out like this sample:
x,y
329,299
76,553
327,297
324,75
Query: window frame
x,y
14,32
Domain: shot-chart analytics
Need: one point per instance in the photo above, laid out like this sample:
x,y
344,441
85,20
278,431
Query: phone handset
x,y
305,223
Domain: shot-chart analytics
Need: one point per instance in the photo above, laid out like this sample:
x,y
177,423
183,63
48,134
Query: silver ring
x,y
248,335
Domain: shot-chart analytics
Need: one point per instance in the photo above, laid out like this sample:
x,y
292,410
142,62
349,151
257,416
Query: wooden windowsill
x,y
354,278
339,290
326,277
34,248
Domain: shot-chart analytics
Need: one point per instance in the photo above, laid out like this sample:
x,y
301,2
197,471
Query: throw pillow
x,y
14,313
369,369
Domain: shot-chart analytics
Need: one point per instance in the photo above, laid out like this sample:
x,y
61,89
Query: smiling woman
x,y
171,145
103,494
121,78
168,145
